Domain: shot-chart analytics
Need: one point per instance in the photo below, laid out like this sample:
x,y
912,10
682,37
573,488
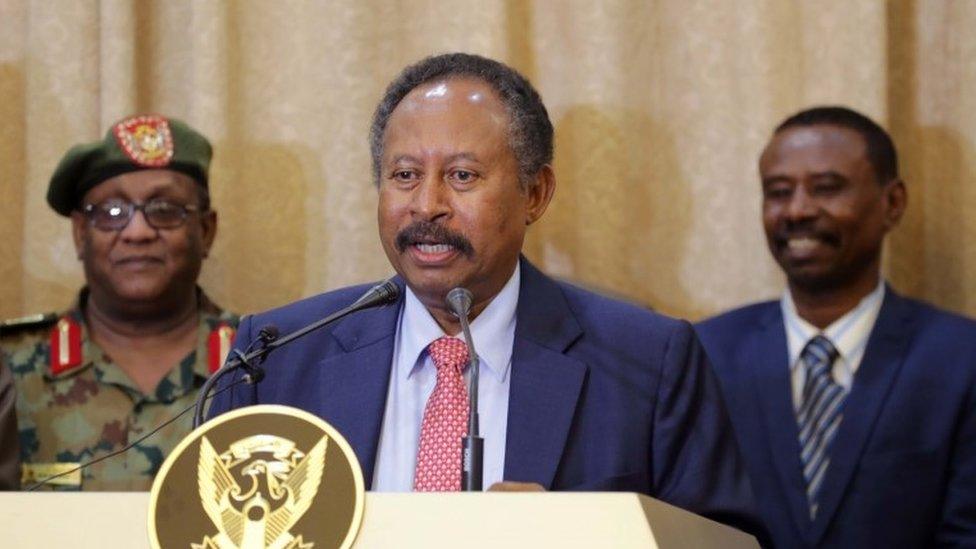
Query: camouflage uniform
x,y
68,415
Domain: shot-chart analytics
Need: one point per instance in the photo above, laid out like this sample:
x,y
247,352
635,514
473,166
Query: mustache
x,y
428,232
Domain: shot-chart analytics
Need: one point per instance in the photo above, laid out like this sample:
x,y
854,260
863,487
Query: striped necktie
x,y
819,416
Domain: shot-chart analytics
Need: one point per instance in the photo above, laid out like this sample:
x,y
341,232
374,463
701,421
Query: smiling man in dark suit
x,y
855,407
577,391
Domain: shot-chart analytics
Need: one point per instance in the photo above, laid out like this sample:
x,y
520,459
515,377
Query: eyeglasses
x,y
115,214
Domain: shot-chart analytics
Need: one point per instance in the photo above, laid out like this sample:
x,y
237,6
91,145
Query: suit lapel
x,y
882,361
773,389
355,380
545,383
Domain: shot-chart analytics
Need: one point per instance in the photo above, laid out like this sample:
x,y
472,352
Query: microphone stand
x,y
472,444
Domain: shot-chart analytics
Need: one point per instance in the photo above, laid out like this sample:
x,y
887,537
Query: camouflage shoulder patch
x,y
27,322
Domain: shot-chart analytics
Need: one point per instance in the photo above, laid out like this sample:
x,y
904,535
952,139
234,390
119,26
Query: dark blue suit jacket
x,y
604,395
903,467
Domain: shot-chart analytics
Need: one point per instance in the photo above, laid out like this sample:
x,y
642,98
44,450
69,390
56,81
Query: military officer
x,y
142,337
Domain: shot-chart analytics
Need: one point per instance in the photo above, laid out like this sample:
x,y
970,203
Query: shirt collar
x,y
849,333
192,371
493,331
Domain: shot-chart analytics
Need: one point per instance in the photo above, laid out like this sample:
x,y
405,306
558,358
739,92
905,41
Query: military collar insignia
x,y
146,140
218,346
65,346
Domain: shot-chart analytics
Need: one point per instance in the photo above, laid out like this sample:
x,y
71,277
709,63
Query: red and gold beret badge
x,y
146,140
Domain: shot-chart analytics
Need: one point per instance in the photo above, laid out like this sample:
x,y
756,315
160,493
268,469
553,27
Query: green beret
x,y
143,142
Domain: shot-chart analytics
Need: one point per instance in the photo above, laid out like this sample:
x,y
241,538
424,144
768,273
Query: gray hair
x,y
530,131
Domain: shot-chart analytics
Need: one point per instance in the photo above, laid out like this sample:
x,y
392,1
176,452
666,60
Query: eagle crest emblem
x,y
257,490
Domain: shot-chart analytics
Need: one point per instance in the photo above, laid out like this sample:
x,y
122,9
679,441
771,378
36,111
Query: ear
x,y
896,200
79,227
208,230
540,194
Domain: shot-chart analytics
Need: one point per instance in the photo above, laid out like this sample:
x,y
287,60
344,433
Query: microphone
x,y
459,300
268,334
472,445
381,294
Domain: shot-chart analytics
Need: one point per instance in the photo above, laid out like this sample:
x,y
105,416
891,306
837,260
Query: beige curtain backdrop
x,y
661,109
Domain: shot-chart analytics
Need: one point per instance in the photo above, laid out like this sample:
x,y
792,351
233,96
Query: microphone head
x,y
459,300
381,294
268,332
389,291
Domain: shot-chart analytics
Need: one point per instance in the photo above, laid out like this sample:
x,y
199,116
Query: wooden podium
x,y
620,520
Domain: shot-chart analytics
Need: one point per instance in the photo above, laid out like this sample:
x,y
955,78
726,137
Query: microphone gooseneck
x,y
267,341
472,445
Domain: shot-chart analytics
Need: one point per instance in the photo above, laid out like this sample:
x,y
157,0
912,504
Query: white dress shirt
x,y
849,334
412,380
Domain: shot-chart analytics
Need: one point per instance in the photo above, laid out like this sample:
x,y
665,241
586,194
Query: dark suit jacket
x,y
903,467
604,395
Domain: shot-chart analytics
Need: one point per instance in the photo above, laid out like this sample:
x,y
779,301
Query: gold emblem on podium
x,y
280,484
258,477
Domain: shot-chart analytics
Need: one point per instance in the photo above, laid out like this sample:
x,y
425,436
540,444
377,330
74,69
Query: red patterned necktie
x,y
445,420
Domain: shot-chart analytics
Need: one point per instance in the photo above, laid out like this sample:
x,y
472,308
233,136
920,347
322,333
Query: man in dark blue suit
x,y
855,407
578,392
